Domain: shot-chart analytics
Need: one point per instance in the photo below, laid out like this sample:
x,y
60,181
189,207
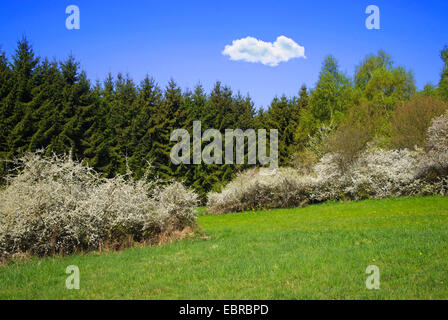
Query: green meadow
x,y
316,252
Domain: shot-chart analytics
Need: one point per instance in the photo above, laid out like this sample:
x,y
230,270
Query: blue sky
x,y
184,40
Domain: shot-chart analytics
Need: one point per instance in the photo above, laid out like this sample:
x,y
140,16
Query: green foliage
x,y
428,91
329,100
333,93
383,84
379,88
116,125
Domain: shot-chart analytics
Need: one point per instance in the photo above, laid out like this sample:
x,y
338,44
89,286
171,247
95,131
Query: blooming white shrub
x,y
437,142
252,190
375,173
57,205
382,173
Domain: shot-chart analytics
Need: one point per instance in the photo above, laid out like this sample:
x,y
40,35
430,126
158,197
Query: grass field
x,y
317,252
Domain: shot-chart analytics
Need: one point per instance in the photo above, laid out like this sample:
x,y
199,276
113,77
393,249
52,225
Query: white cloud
x,y
253,50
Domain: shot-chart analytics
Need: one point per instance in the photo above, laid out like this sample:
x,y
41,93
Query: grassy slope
x,y
315,252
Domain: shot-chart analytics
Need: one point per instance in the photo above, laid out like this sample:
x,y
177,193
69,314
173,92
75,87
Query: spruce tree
x,y
21,111
148,106
100,150
174,115
78,105
301,111
279,116
47,101
6,83
443,84
121,112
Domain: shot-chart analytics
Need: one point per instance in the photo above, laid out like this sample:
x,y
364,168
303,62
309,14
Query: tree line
x,y
117,125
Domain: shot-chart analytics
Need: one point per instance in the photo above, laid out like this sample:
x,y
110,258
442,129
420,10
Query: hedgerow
x,y
58,205
375,173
